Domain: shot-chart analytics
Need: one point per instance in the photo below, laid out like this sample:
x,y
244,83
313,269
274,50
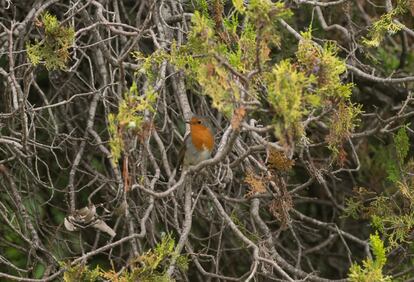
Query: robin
x,y
199,143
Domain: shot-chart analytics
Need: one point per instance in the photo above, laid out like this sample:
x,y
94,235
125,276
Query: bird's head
x,y
198,121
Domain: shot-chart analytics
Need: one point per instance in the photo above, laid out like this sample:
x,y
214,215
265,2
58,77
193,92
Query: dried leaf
x,y
69,225
102,226
256,183
238,117
405,190
411,7
278,161
281,206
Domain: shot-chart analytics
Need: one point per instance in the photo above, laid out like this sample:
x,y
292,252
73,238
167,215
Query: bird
x,y
198,146
199,143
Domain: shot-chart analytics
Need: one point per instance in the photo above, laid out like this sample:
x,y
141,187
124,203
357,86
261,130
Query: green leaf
x,y
238,5
371,270
386,24
53,50
378,249
402,144
39,271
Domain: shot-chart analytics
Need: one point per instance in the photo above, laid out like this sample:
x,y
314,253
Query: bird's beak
x,y
187,121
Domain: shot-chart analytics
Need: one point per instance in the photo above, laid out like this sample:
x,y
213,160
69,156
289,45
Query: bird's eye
x,y
199,122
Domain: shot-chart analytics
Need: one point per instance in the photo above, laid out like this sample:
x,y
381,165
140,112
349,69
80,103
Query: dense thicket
x,y
311,178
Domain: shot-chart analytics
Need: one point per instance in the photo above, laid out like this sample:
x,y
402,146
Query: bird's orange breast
x,y
202,138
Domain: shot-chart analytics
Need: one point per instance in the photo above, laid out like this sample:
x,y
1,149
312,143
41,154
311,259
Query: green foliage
x,y
13,254
149,65
402,144
217,84
130,116
386,25
387,59
378,249
263,15
149,267
115,143
311,83
401,226
371,269
391,221
326,68
392,212
353,208
325,65
287,88
343,124
238,5
53,49
202,32
82,273
247,47
202,6
393,171
215,60
241,226
154,263
39,270
231,23
395,166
